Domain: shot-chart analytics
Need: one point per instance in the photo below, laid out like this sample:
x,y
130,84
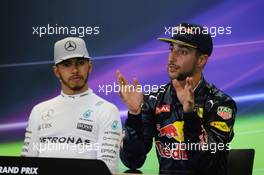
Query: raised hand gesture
x,y
129,94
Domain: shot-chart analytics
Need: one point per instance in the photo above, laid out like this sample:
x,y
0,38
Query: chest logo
x,y
114,125
47,115
163,108
85,127
224,112
87,114
174,130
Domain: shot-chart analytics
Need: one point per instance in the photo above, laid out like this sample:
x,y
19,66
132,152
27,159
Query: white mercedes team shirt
x,y
75,126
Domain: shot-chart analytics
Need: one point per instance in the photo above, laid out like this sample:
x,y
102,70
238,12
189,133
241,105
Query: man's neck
x,y
196,79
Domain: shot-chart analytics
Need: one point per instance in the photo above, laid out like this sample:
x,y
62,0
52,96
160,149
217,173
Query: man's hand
x,y
129,94
185,93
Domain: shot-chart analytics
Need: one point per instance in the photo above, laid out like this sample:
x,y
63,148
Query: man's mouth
x,y
75,78
173,67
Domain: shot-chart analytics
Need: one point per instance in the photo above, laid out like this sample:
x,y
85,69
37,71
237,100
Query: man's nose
x,y
173,57
75,68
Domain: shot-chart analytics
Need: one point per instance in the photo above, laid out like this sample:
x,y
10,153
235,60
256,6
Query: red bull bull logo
x,y
174,130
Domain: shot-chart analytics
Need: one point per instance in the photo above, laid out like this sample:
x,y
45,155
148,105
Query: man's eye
x,y
66,64
183,52
81,62
171,48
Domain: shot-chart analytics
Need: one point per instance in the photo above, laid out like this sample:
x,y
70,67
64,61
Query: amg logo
x,y
85,127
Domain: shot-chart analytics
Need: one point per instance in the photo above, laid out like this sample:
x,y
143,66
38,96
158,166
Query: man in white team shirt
x,y
77,123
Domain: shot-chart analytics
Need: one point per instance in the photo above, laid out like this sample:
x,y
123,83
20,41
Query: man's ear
x,y
56,71
202,60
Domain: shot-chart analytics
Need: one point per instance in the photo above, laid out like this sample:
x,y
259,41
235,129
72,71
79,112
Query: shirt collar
x,y
199,86
196,90
76,96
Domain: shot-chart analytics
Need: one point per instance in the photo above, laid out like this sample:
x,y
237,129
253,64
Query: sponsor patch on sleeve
x,y
222,126
224,112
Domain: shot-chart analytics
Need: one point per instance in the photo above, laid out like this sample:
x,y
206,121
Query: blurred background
x,y
126,40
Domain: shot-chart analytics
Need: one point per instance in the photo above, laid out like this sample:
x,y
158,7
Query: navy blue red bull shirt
x,y
196,142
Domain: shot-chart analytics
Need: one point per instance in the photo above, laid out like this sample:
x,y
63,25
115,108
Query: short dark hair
x,y
198,53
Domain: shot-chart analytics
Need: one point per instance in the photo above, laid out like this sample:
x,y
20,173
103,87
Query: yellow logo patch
x,y
200,112
222,126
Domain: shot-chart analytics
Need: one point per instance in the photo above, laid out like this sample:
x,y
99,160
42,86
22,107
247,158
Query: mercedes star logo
x,y
47,115
70,46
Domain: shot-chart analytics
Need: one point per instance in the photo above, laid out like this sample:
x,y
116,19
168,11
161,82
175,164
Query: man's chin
x,y
172,76
77,87
74,86
177,77
181,78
